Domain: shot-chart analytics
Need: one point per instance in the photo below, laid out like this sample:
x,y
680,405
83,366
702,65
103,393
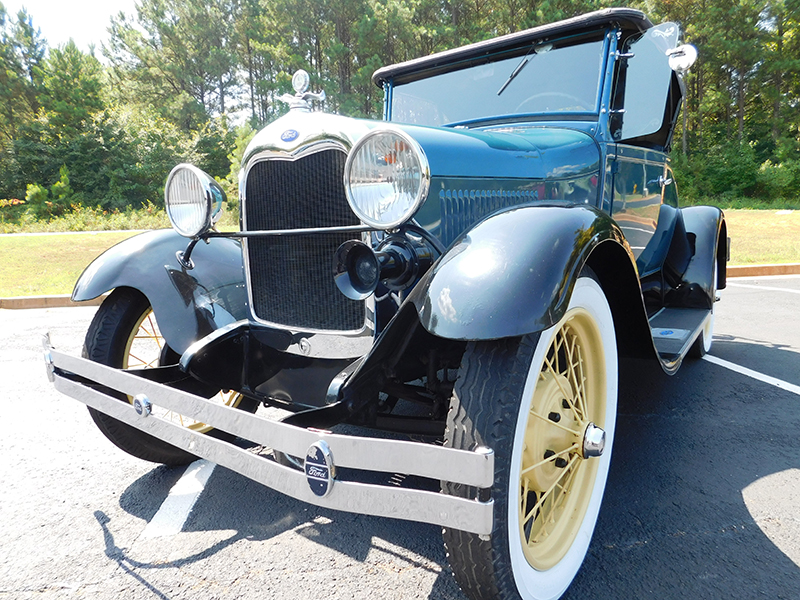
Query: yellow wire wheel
x,y
545,403
555,479
124,334
145,349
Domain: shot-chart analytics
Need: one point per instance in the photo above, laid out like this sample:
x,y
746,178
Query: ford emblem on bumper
x,y
319,468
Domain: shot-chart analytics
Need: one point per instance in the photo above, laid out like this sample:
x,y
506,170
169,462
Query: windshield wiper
x,y
525,60
540,49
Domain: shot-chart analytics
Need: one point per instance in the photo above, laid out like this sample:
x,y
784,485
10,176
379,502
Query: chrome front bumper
x,y
364,453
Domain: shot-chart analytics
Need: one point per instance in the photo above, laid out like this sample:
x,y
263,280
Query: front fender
x,y
188,303
513,273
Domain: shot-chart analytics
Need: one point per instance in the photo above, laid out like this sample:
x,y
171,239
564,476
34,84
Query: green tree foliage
x,y
179,54
21,53
178,72
739,129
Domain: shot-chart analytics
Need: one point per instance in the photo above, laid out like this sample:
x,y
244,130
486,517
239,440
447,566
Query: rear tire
x,y
112,340
531,400
702,345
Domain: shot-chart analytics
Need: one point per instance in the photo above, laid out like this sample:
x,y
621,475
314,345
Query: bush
x,y
779,180
46,204
244,134
729,170
92,218
684,176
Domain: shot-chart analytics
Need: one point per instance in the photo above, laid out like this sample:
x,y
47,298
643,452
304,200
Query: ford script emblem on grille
x,y
289,135
319,469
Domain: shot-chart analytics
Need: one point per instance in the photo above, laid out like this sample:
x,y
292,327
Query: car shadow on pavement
x,y
251,512
674,522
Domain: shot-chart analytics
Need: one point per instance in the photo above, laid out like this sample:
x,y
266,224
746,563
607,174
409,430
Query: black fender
x,y
707,223
513,273
188,303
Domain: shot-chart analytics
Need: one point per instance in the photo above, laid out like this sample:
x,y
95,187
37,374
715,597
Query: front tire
x,y
124,334
534,401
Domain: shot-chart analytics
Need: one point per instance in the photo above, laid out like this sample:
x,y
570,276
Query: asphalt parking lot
x,y
702,500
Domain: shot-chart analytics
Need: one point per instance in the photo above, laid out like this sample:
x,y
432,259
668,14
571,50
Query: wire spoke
x,y
577,376
555,377
549,459
142,362
154,329
547,493
525,495
554,424
574,410
547,516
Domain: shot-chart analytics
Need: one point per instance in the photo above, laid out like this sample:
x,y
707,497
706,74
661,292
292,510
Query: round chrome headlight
x,y
386,178
193,199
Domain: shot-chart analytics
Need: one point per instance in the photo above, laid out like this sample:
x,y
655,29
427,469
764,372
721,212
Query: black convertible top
x,y
626,18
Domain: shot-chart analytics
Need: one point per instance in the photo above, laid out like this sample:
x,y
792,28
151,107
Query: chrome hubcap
x,y
594,441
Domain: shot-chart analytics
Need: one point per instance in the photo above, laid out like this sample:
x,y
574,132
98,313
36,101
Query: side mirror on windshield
x,y
682,58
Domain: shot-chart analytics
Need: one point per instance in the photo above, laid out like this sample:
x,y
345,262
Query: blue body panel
x,y
530,152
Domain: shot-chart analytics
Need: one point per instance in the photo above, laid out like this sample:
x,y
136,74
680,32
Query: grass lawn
x,y
36,265
764,236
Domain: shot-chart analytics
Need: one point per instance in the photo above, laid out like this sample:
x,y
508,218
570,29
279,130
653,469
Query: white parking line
x,y
172,515
762,287
779,383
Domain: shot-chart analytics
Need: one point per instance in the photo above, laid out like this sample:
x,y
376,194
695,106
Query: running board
x,y
471,468
675,329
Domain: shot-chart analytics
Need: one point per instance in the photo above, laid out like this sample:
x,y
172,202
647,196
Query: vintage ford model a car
x,y
465,271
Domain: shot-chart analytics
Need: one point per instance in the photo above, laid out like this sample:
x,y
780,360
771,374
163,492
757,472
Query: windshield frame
x,y
515,56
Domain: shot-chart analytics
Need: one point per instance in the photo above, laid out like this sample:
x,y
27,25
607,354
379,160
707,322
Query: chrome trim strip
x,y
369,454
382,501
279,232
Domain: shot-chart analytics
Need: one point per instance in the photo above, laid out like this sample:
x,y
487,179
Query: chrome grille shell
x,y
289,277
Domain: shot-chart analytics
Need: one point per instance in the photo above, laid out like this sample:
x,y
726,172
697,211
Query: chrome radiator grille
x,y
292,276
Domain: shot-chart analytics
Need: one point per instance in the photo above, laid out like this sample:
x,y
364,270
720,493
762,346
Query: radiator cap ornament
x,y
319,468
302,99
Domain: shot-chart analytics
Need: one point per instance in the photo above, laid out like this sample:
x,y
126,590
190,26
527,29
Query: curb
x,y
761,270
64,300
59,301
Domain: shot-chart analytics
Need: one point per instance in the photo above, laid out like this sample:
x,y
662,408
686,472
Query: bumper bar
x,y
364,453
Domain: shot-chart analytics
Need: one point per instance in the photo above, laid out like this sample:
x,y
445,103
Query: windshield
x,y
556,77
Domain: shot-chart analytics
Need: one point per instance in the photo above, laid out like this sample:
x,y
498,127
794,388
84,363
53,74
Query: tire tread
x,y
114,319
494,370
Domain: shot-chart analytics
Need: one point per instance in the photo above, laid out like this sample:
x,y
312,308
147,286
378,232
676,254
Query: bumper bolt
x,y
142,405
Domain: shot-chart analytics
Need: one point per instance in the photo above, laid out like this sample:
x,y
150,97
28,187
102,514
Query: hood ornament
x,y
302,99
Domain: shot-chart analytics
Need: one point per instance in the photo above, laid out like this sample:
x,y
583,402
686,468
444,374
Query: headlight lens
x,y
193,199
386,178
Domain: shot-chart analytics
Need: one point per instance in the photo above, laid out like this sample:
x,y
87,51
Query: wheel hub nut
x,y
594,441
